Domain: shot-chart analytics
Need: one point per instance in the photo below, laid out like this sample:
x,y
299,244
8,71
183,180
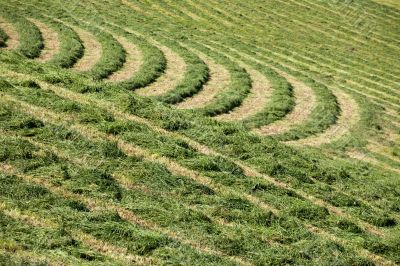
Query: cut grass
x,y
201,185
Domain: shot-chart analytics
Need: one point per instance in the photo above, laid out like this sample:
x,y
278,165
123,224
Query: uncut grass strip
x,y
348,118
218,81
207,150
11,38
50,40
116,253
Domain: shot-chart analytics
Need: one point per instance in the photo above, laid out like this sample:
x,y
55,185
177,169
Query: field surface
x,y
182,132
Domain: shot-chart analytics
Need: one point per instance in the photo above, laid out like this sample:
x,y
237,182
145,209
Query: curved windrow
x,y
305,102
133,62
218,81
23,32
174,73
50,40
92,51
10,38
348,117
255,102
228,84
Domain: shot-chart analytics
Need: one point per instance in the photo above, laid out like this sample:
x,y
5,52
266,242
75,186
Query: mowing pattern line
x,y
219,80
255,101
13,36
92,50
50,40
174,73
305,102
132,64
350,115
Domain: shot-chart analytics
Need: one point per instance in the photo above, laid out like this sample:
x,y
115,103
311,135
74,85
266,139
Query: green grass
x,y
84,156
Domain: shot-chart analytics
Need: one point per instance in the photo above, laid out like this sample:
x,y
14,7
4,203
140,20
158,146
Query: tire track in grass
x,y
349,116
255,101
219,80
13,36
305,102
248,171
132,64
92,50
174,73
106,249
50,40
177,169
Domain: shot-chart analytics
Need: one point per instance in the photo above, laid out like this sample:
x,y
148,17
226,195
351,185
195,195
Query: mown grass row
x,y
110,150
239,86
278,48
154,145
71,47
31,42
298,209
197,74
322,117
283,27
3,38
154,62
227,129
